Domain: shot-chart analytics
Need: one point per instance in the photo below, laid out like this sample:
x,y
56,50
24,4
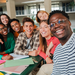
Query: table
x,y
30,67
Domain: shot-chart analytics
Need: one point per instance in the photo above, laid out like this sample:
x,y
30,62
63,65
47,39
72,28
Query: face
x,y
4,19
3,30
42,16
60,26
15,26
28,27
45,30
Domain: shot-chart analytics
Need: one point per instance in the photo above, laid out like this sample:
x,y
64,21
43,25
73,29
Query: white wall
x,y
72,19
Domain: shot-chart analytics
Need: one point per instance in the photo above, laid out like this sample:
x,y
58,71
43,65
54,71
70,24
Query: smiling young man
x,y
64,55
28,41
16,27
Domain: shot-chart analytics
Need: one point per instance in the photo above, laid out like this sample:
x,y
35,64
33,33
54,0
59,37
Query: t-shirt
x,y
64,58
55,42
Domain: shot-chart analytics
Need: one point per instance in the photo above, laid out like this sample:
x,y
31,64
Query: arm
x,y
12,43
49,49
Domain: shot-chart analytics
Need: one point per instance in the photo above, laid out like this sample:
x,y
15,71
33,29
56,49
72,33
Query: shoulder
x,y
36,32
10,34
22,34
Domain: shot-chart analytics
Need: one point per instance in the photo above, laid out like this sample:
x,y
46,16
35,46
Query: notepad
x,y
10,63
2,61
14,69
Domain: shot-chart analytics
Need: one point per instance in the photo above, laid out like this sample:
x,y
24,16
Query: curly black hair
x,y
58,11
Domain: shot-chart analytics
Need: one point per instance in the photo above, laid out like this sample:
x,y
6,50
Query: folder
x,y
10,63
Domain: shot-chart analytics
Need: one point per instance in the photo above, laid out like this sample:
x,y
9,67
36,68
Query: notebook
x,y
2,61
14,69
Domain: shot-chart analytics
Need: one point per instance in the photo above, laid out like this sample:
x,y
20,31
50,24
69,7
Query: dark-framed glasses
x,y
59,21
3,28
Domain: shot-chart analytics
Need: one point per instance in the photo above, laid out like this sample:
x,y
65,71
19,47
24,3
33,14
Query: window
x,y
55,7
1,10
19,10
33,9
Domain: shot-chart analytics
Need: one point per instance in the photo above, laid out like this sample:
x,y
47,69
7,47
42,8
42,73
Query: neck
x,y
63,41
48,37
29,36
5,38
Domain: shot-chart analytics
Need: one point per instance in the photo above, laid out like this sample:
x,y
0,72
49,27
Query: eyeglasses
x,y
45,26
3,28
59,21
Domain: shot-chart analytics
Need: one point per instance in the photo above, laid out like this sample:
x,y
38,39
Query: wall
x,y
72,19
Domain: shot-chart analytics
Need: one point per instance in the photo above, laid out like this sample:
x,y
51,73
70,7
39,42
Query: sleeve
x,y
19,44
36,41
1,56
42,54
12,43
55,42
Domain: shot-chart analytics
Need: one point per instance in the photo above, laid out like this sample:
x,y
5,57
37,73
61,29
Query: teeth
x,y
43,32
58,31
29,30
16,29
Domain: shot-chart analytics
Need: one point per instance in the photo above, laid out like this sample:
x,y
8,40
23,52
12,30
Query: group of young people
x,y
53,41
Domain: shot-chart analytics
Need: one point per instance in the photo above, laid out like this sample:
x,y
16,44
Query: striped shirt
x,y
64,58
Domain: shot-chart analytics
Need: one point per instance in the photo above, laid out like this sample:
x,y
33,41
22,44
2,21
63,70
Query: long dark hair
x,y
2,45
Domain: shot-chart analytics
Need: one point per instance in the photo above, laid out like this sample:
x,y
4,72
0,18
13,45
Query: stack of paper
x,y
15,56
16,66
14,69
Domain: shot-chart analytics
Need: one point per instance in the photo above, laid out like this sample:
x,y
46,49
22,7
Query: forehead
x,y
41,13
43,24
3,16
13,22
28,23
56,16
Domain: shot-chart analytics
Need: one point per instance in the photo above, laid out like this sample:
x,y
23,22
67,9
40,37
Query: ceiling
x,y
30,1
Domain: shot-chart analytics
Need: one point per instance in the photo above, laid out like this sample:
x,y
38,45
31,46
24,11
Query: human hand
x,y
7,57
48,60
1,41
34,53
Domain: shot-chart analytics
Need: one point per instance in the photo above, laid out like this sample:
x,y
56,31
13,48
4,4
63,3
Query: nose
x,y
56,25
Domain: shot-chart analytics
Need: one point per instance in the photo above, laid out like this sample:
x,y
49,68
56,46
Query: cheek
x,y
0,32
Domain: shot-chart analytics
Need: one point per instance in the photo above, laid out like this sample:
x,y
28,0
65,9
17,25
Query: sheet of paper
x,y
14,69
2,61
10,63
15,56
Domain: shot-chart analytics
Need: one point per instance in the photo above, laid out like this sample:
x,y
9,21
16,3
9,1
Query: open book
x,y
14,69
15,56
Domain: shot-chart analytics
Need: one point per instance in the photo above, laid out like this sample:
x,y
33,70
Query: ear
x,y
69,23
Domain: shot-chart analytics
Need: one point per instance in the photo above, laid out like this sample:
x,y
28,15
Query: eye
x,y
52,24
61,21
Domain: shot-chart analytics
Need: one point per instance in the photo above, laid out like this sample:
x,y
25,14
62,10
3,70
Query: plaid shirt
x,y
20,47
